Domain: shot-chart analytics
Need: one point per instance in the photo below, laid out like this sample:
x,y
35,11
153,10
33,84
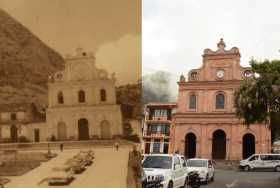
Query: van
x,y
261,161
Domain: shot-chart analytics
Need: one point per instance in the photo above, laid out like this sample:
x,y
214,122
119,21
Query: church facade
x,y
205,121
82,101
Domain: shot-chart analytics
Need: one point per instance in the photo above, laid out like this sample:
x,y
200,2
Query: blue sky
x,y
175,32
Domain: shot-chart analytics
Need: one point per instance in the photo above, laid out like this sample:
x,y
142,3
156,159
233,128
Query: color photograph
x,y
211,93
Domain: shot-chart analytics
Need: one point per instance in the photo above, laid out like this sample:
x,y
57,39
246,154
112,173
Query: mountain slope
x,y
25,63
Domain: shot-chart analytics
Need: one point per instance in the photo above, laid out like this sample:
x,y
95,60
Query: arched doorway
x,y
14,133
248,145
61,131
190,145
83,129
105,130
219,145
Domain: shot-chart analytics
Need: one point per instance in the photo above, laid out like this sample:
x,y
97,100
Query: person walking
x,y
61,147
117,146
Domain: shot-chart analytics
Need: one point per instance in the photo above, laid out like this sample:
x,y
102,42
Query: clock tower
x,y
205,121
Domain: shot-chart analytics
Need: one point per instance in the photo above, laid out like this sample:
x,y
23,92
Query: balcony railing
x,y
158,118
156,133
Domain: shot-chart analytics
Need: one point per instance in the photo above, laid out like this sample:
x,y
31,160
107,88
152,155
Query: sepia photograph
x,y
70,93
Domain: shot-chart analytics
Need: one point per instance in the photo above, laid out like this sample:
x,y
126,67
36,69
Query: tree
x,y
127,129
258,98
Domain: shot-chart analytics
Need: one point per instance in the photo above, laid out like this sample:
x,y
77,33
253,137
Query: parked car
x,y
165,167
193,179
155,183
183,161
88,152
84,157
204,167
61,175
261,161
76,165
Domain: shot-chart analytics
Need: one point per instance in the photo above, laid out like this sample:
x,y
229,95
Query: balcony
x,y
156,134
158,118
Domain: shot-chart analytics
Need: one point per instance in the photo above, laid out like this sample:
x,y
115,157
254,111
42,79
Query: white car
x,y
183,161
166,167
204,167
61,175
261,161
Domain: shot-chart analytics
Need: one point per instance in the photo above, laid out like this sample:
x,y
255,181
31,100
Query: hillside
x,y
25,63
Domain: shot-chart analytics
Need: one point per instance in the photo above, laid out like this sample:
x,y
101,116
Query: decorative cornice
x,y
221,50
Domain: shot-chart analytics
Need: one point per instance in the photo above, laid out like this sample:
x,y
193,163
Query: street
x,y
109,170
237,179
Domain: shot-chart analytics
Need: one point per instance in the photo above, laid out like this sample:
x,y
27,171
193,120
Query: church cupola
x,y
221,45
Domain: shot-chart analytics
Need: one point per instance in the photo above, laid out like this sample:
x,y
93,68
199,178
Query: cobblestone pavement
x,y
109,170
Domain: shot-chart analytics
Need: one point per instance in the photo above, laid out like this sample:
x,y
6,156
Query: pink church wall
x,y
205,119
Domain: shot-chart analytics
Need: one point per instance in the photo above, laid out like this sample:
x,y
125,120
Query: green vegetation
x,y
129,98
258,99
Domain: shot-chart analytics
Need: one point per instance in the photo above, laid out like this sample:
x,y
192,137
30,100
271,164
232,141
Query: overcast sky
x,y
109,28
175,32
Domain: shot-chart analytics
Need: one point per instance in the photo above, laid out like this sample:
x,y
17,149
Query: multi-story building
x,y
82,101
205,121
157,127
21,122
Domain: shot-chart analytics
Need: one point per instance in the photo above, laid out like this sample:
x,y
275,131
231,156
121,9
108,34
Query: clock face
x,y
220,73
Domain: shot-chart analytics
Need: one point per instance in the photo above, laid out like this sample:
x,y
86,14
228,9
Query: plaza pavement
x,y
109,170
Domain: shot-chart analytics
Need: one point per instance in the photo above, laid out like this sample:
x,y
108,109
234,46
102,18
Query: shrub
x,y
23,139
133,138
53,138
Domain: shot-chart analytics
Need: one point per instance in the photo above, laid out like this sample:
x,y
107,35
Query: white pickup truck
x,y
166,167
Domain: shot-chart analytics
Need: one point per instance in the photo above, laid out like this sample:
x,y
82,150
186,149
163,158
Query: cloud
x,y
122,57
176,32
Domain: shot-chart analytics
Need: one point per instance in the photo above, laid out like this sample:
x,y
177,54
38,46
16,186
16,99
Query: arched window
x,y
82,96
192,101
103,95
220,101
60,98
